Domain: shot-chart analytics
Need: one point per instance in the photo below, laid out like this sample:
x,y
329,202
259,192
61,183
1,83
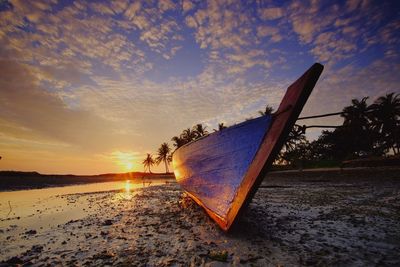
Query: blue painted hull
x,y
212,168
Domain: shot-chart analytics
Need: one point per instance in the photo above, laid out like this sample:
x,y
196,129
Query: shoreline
x,y
9,185
14,181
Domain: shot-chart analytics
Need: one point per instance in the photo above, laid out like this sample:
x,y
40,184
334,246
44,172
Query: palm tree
x,y
268,111
148,162
296,136
221,126
200,130
385,117
358,136
178,141
188,135
356,115
164,155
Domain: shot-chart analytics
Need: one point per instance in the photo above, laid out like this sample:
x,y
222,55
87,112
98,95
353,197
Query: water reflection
x,y
127,186
126,194
56,205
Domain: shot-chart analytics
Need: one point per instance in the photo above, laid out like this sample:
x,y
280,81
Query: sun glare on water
x,y
128,186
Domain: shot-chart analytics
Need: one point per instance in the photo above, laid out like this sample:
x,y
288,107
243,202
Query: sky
x,y
90,87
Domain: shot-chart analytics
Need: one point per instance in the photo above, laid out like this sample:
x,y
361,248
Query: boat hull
x,y
212,168
223,170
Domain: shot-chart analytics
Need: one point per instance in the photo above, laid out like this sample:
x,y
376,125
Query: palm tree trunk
x,y
166,166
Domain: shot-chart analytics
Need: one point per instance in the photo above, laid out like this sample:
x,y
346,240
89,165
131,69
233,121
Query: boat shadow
x,y
253,222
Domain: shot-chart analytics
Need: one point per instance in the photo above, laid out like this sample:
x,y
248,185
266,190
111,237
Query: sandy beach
x,y
308,219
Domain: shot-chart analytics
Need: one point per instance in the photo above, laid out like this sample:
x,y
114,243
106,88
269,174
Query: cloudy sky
x,y
91,86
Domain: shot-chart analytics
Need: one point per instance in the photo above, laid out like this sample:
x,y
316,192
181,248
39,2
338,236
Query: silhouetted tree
x,y
178,141
357,135
385,118
268,111
356,115
295,137
164,155
148,162
367,130
200,130
221,126
299,154
332,145
188,135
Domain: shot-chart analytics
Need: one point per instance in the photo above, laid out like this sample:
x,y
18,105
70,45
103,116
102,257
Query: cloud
x,y
273,32
247,60
166,5
333,38
71,37
351,5
306,19
102,8
187,5
133,10
229,27
270,13
191,22
119,6
23,102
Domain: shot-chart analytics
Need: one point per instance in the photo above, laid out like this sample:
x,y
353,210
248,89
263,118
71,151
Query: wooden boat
x,y
222,171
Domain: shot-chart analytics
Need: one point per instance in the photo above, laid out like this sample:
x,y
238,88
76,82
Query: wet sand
x,y
293,220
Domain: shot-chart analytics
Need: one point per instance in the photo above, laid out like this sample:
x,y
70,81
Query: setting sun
x,y
129,166
124,159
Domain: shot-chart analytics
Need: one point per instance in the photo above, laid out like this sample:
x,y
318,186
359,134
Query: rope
x,y
320,116
324,126
303,128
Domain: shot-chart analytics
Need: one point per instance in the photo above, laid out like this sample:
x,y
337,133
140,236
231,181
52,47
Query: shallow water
x,y
40,208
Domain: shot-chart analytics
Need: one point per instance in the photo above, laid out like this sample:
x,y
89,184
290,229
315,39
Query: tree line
x,y
164,153
367,130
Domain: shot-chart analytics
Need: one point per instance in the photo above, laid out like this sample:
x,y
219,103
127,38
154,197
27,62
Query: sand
x,y
291,221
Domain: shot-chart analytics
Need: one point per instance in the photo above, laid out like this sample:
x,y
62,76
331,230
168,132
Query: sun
x,y
126,163
128,166
124,159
